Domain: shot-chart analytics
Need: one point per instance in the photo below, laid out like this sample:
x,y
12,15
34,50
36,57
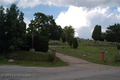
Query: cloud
x,y
5,2
84,20
71,17
27,21
77,3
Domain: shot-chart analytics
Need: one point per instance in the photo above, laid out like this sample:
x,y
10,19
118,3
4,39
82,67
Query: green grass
x,y
92,52
26,58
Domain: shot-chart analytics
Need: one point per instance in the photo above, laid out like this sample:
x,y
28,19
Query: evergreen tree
x,y
71,42
75,43
2,30
113,33
13,28
96,35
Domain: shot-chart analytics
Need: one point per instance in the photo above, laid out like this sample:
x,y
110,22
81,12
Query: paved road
x,y
77,70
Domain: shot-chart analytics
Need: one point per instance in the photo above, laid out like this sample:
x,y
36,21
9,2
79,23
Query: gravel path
x,y
78,69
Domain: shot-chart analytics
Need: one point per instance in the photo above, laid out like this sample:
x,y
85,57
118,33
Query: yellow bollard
x,y
54,54
102,56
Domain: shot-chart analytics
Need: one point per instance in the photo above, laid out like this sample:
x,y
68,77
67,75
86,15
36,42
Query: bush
x,y
71,42
75,43
118,46
40,43
1,58
63,40
12,48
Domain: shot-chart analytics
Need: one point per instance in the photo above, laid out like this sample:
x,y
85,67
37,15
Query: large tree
x,y
68,32
96,35
44,25
20,37
13,27
16,26
2,29
113,33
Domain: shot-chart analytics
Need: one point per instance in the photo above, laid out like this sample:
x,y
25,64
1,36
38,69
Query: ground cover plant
x,y
27,58
90,50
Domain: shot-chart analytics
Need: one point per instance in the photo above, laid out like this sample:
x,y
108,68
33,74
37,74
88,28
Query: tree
x,y
71,41
69,32
20,37
96,35
16,27
102,36
75,43
55,32
113,33
63,36
45,26
2,29
13,28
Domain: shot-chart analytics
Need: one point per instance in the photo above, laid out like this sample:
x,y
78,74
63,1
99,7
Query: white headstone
x,y
84,55
10,60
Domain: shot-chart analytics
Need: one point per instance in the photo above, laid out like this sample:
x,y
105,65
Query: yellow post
x,y
54,54
102,56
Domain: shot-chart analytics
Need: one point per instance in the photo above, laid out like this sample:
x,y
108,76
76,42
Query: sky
x,y
82,15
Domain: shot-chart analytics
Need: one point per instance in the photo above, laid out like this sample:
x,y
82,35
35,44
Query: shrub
x,y
1,58
41,43
118,46
12,48
75,43
71,41
63,40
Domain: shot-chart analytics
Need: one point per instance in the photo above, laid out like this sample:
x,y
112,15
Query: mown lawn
x,y
26,58
90,51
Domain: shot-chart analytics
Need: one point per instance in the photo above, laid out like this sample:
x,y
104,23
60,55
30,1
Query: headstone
x,y
106,51
84,55
10,60
32,50
118,52
49,51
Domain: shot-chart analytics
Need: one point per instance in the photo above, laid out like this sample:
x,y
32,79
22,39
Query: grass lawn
x,y
90,51
26,58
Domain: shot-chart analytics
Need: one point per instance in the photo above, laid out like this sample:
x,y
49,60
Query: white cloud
x,y
77,3
2,2
84,20
119,9
74,16
27,21
28,3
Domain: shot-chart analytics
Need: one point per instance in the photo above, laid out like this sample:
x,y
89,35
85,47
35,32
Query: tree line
x,y
112,33
14,35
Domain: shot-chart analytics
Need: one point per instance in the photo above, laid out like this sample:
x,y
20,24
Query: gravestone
x,y
10,60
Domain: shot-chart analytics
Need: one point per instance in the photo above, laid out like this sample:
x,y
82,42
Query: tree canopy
x,y
45,25
68,32
12,27
113,33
